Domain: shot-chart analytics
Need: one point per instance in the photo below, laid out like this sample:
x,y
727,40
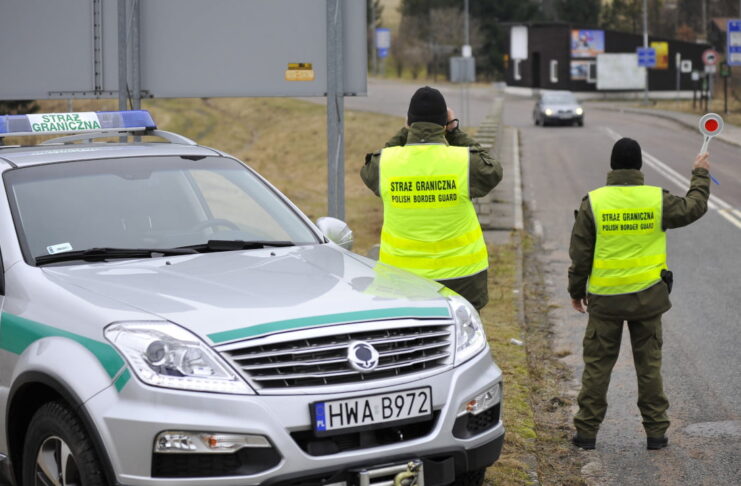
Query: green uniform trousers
x,y
601,348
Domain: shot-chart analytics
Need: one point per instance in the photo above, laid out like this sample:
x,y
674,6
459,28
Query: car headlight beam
x,y
470,337
163,354
579,111
548,112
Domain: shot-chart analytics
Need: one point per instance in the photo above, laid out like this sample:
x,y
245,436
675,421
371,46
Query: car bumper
x,y
563,119
128,422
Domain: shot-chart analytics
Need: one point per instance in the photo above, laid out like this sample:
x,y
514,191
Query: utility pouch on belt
x,y
668,277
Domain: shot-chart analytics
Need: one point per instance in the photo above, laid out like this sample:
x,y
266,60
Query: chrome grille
x,y
302,359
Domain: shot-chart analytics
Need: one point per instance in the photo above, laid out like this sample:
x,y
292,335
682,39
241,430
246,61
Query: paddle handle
x,y
705,144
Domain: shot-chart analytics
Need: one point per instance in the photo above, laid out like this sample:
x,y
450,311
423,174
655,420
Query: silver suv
x,y
169,318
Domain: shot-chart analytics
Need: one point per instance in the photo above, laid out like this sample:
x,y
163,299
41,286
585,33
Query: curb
x,y
665,116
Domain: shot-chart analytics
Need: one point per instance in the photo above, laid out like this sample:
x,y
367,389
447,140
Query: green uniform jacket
x,y
677,212
484,174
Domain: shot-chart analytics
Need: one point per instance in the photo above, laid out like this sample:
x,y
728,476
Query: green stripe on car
x,y
329,319
18,333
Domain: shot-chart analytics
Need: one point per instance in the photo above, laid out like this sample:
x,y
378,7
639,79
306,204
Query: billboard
x,y
587,43
580,70
189,48
662,55
620,72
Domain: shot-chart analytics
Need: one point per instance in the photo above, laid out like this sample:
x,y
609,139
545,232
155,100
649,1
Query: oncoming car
x,y
558,107
169,318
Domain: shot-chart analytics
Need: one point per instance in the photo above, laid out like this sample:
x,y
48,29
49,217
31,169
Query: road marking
x,y
518,182
715,203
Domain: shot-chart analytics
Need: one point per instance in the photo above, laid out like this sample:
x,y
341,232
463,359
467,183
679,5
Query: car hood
x,y
241,294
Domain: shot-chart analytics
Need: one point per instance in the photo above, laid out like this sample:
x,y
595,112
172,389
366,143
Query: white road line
x,y
715,203
517,181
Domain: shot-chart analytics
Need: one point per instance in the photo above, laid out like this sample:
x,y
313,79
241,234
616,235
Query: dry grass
x,y
716,106
500,318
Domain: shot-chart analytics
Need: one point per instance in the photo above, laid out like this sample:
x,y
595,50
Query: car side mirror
x,y
337,231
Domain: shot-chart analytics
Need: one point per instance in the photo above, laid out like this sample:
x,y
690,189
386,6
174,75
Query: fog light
x,y
174,442
483,401
206,442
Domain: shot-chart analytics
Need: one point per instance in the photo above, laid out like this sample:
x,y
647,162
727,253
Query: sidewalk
x,y
731,133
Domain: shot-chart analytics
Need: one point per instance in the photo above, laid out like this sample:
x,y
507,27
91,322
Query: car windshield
x,y
146,202
559,98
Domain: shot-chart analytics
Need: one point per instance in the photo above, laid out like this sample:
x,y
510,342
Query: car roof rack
x,y
87,125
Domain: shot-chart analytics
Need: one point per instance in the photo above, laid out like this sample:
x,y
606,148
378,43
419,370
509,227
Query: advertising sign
x,y
662,55
518,42
733,43
580,70
587,43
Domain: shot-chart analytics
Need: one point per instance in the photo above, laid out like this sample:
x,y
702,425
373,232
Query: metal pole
x,y
122,53
135,58
466,40
373,36
645,45
335,111
465,23
677,66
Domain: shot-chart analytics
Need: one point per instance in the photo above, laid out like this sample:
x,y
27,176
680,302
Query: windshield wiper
x,y
101,254
233,245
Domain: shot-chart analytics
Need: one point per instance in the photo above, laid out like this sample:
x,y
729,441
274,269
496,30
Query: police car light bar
x,y
80,122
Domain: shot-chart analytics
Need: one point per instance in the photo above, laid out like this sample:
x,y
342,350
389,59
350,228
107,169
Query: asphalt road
x,y
392,98
702,337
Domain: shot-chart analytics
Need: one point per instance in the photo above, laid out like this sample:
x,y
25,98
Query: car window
x,y
565,98
145,202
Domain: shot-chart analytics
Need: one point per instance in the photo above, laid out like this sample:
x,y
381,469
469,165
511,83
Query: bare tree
x,y
446,36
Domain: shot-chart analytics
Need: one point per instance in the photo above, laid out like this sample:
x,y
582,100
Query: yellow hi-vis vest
x,y
630,250
430,226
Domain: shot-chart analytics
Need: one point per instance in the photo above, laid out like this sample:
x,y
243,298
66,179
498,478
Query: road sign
x,y
710,57
646,56
733,42
685,66
383,42
695,75
710,68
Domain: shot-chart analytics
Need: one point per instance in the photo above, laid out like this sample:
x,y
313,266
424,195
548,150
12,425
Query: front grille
x,y
302,360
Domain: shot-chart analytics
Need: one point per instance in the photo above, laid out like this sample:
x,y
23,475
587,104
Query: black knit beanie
x,y
427,105
626,154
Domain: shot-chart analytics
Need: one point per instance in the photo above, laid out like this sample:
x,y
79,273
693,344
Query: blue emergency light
x,y
78,122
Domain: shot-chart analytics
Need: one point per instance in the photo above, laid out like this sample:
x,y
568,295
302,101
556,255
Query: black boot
x,y
583,442
656,443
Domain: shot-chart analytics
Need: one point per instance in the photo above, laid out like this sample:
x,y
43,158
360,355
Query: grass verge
x,y
501,322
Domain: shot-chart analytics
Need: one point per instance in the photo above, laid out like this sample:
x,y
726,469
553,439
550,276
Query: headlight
x,y
579,111
548,111
470,338
163,354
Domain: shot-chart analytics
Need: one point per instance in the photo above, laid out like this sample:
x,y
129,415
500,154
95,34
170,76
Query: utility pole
x,y
335,111
374,47
465,52
645,46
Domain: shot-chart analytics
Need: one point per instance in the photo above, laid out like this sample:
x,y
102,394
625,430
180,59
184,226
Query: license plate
x,y
371,411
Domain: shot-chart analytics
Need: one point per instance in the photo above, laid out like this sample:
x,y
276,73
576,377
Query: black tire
x,y
580,123
471,478
55,433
